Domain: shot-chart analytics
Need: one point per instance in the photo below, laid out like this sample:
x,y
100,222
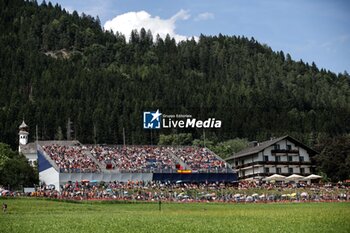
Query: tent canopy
x,y
312,177
276,177
295,177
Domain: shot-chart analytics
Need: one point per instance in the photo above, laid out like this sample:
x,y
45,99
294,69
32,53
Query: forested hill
x,y
55,65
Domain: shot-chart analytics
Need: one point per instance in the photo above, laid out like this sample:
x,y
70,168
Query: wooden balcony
x,y
283,163
284,151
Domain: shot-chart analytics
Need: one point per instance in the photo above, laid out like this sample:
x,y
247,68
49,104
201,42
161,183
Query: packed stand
x,y
200,159
71,159
196,192
134,158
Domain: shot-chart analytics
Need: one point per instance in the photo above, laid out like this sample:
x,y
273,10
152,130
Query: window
x,y
278,170
290,158
302,170
289,147
301,158
267,170
266,158
278,158
236,163
290,170
277,146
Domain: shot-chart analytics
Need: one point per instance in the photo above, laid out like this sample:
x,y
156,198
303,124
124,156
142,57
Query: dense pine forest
x,y
56,66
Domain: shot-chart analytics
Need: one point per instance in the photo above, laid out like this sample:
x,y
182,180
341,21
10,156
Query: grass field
x,y
33,215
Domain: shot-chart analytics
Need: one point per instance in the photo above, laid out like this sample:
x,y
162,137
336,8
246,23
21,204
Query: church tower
x,y
23,135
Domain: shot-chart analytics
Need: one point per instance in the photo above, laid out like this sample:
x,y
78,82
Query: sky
x,y
312,30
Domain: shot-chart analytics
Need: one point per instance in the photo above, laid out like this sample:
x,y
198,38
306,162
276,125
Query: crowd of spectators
x,y
200,159
134,158
197,192
71,158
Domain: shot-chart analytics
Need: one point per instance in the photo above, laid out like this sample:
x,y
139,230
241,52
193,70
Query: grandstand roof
x,y
63,142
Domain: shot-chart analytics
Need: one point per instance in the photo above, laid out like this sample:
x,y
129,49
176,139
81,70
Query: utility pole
x,y
36,134
69,123
95,135
36,141
123,136
203,138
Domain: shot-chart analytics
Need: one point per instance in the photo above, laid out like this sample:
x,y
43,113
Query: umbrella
x,y
304,194
312,177
4,192
275,177
295,177
210,195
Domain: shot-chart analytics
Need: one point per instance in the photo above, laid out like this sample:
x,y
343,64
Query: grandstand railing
x,y
47,157
228,166
226,169
213,170
101,166
177,159
78,170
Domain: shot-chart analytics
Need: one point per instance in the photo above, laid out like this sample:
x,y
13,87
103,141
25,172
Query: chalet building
x,y
284,155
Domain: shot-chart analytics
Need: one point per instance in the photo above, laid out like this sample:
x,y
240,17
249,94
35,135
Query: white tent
x,y
295,177
275,177
312,177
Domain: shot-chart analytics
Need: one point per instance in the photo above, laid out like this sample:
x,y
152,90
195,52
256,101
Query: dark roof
x,y
262,145
23,132
23,125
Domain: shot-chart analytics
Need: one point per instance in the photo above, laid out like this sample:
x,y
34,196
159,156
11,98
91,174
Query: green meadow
x,y
35,215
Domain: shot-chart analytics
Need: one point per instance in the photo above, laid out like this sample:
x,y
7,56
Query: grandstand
x,y
63,161
134,158
71,158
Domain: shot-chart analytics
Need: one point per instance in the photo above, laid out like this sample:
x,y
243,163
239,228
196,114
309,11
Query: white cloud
x,y
127,22
204,16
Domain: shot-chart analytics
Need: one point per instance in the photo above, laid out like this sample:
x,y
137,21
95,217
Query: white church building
x,y
27,149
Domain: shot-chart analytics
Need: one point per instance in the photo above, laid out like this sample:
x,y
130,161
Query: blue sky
x,y
311,30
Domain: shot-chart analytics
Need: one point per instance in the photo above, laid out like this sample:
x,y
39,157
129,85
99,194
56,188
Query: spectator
x,y
4,207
